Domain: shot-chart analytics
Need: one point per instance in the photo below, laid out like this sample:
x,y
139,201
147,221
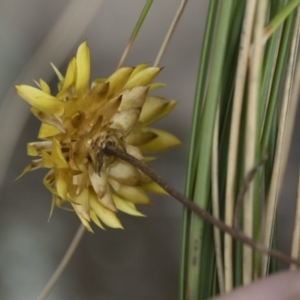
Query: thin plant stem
x,y
234,136
279,160
170,32
296,232
202,179
111,149
280,18
244,188
251,132
295,99
215,202
295,252
64,262
195,141
135,31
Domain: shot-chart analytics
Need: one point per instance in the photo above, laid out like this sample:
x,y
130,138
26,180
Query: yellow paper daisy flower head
x,y
78,122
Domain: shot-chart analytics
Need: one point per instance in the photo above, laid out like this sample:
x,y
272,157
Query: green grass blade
x,y
281,17
278,75
194,142
136,31
202,183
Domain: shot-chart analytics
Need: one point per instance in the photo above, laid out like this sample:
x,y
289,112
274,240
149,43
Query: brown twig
x,y
244,188
111,149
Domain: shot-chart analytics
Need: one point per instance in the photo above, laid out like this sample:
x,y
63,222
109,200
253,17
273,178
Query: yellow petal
x,y
81,151
154,188
61,183
126,207
111,108
139,136
95,99
34,148
99,182
155,108
48,182
108,217
107,201
144,77
83,220
31,151
47,159
47,130
70,77
40,100
149,158
82,205
101,188
98,81
82,68
134,151
163,141
57,72
80,181
95,132
125,120
134,194
114,184
52,207
156,86
139,68
35,164
48,119
134,98
123,172
117,80
45,87
57,156
95,219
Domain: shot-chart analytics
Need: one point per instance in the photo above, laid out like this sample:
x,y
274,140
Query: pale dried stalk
x,y
251,132
135,32
64,262
234,136
274,59
125,53
215,202
295,252
294,101
170,32
280,159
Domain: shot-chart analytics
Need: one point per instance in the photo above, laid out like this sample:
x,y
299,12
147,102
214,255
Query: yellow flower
x,y
78,122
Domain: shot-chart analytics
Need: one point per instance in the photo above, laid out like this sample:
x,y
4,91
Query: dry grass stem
x,y
215,203
170,32
125,53
274,59
244,188
234,136
251,132
279,160
295,252
295,92
64,262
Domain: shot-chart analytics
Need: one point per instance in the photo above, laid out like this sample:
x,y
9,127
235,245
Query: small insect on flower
x,y
78,122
